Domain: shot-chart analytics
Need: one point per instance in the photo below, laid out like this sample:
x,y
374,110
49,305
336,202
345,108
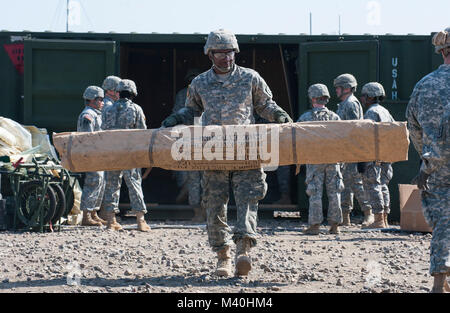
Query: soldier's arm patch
x,y
88,117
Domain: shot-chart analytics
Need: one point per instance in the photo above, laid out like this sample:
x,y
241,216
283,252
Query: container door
x,y
56,74
322,62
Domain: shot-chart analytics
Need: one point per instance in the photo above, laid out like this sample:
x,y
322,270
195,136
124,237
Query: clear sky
x,y
240,16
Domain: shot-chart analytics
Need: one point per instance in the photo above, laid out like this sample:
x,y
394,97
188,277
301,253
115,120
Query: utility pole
x,y
310,23
339,24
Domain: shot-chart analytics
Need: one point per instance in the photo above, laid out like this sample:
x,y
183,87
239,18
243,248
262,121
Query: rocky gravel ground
x,y
175,257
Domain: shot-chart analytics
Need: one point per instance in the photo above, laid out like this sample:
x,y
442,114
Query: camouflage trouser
x,y
180,177
284,179
353,183
436,206
316,175
386,175
133,179
93,190
248,187
193,181
373,187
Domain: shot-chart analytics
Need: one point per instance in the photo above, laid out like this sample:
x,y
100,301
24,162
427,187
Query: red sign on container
x,y
15,52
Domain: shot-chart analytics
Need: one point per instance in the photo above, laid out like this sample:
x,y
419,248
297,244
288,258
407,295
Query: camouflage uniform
x,y
316,175
124,114
191,179
94,182
429,102
109,83
107,101
284,179
230,102
378,175
351,109
283,172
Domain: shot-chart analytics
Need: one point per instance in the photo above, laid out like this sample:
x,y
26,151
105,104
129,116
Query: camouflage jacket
x,y
231,102
378,113
318,114
123,114
107,101
350,109
89,120
438,155
425,111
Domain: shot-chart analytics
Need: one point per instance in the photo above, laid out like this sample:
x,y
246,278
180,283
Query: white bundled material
x,y
13,137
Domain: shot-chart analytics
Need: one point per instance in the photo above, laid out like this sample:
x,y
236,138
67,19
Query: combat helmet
x,y
111,82
345,81
373,90
221,40
93,92
128,85
441,40
317,91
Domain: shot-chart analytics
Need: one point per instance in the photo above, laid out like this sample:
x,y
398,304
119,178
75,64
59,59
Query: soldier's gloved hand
x,y
171,121
362,167
422,180
282,117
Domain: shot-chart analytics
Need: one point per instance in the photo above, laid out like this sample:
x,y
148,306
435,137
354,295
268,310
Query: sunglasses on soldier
x,y
223,54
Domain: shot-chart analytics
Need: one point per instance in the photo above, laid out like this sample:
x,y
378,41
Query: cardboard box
x,y
411,213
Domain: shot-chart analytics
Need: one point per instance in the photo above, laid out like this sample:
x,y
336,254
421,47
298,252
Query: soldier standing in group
x,y
124,114
94,183
109,86
228,94
189,181
350,109
429,103
376,175
318,173
111,95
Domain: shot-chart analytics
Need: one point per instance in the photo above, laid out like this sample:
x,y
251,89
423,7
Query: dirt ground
x,y
175,257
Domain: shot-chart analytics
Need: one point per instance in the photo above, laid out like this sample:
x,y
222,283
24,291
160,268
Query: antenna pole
x,y
67,15
310,23
339,24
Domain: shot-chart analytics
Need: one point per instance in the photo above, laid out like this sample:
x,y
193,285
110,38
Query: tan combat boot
x,y
141,223
334,229
312,230
345,219
378,223
111,220
97,218
368,218
243,261
88,221
224,262
440,284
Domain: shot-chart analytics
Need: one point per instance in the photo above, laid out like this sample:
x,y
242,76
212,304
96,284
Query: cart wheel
x,y
70,199
30,196
60,203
